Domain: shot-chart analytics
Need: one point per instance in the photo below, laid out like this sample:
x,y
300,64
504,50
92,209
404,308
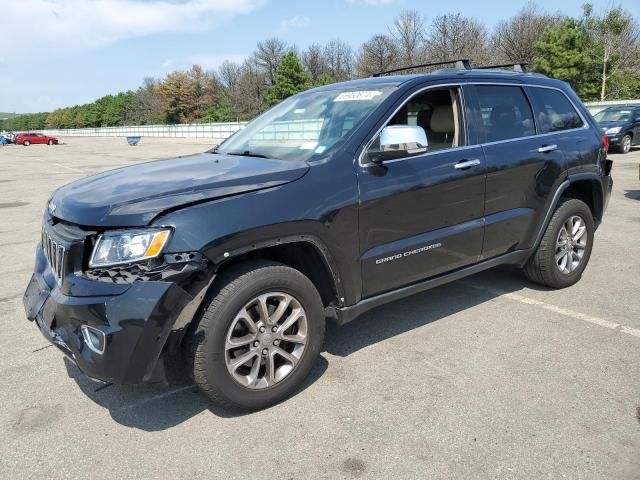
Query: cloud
x,y
67,26
295,22
373,3
211,61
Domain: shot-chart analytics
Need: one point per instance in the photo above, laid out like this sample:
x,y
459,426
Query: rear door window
x,y
505,113
554,112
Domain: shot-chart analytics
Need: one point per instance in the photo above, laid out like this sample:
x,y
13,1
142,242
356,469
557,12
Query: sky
x,y
57,53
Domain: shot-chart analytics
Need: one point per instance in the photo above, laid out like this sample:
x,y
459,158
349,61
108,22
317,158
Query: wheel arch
x,y
588,188
585,186
305,253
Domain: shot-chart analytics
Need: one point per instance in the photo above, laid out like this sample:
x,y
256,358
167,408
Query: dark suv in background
x,y
334,201
621,125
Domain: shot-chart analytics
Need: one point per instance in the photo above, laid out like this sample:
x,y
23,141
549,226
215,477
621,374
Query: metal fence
x,y
217,131
595,107
296,131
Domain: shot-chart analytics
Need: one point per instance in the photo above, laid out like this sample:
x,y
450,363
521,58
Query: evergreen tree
x,y
290,79
563,52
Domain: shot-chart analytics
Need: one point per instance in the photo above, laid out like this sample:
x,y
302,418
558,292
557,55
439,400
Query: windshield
x,y
305,125
613,116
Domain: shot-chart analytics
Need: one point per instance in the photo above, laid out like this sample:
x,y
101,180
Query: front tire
x,y
625,144
258,337
26,143
565,249
50,142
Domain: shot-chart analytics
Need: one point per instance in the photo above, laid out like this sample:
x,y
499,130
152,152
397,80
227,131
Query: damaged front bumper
x,y
116,332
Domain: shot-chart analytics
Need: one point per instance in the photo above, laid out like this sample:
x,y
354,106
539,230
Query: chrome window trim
x,y
426,154
585,124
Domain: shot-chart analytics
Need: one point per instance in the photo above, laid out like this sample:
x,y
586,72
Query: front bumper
x,y
615,140
136,321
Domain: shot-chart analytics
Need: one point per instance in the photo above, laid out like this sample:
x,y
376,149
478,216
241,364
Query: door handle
x,y
548,148
467,163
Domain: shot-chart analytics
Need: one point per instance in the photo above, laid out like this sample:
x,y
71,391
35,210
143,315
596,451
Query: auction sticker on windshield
x,y
357,95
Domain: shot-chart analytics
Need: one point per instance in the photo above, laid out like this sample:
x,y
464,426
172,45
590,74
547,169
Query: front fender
x,y
320,209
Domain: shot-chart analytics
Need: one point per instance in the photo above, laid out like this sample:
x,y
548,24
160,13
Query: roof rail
x,y
460,64
517,67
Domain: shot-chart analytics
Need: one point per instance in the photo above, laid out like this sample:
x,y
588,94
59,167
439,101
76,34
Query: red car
x,y
27,139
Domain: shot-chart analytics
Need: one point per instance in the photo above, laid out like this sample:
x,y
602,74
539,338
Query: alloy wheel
x,y
571,244
266,340
626,144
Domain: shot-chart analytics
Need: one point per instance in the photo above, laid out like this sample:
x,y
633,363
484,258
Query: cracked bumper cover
x,y
136,318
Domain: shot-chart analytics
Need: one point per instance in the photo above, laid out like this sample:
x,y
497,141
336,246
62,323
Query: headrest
x,y
424,118
503,115
442,119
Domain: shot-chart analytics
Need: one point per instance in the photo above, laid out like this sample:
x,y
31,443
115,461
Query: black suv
x,y
621,125
334,201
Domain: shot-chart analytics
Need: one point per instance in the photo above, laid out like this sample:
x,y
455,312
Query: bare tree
x,y
455,36
514,39
230,74
252,89
616,42
268,55
377,54
339,58
408,32
314,62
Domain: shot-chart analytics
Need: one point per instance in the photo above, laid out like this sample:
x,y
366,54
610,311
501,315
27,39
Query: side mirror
x,y
398,141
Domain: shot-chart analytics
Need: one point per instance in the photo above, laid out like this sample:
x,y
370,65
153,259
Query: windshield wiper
x,y
248,153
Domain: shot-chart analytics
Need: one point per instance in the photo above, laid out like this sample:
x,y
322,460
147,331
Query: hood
x,y
133,196
611,124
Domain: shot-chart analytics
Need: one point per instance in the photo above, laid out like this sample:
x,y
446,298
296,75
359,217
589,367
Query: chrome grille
x,y
56,256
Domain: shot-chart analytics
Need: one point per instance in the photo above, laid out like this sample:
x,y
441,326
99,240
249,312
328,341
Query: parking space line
x,y
560,310
156,397
68,168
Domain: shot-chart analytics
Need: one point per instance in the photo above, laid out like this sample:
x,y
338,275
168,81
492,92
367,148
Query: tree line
x,y
597,53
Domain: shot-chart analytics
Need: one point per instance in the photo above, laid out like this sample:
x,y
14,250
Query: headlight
x,y
114,248
612,130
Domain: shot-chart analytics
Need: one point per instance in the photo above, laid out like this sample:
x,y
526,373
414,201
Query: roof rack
x,y
460,64
517,67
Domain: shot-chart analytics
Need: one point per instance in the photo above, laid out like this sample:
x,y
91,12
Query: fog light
x,y
94,338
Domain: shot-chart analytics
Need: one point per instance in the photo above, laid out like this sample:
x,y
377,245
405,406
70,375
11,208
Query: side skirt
x,y
346,314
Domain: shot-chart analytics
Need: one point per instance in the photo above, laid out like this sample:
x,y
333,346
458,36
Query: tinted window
x,y
504,113
554,111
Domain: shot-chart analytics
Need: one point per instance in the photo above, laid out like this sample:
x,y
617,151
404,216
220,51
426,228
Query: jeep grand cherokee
x,y
337,200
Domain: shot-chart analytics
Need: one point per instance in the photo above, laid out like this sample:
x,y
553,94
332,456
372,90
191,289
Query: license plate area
x,y
35,298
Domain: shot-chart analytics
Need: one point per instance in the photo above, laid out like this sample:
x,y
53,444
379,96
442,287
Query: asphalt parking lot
x,y
488,377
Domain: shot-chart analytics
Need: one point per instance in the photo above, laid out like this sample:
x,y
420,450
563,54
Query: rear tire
x,y
563,255
233,317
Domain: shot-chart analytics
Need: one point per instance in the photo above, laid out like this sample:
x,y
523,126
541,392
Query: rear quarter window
x,y
554,112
